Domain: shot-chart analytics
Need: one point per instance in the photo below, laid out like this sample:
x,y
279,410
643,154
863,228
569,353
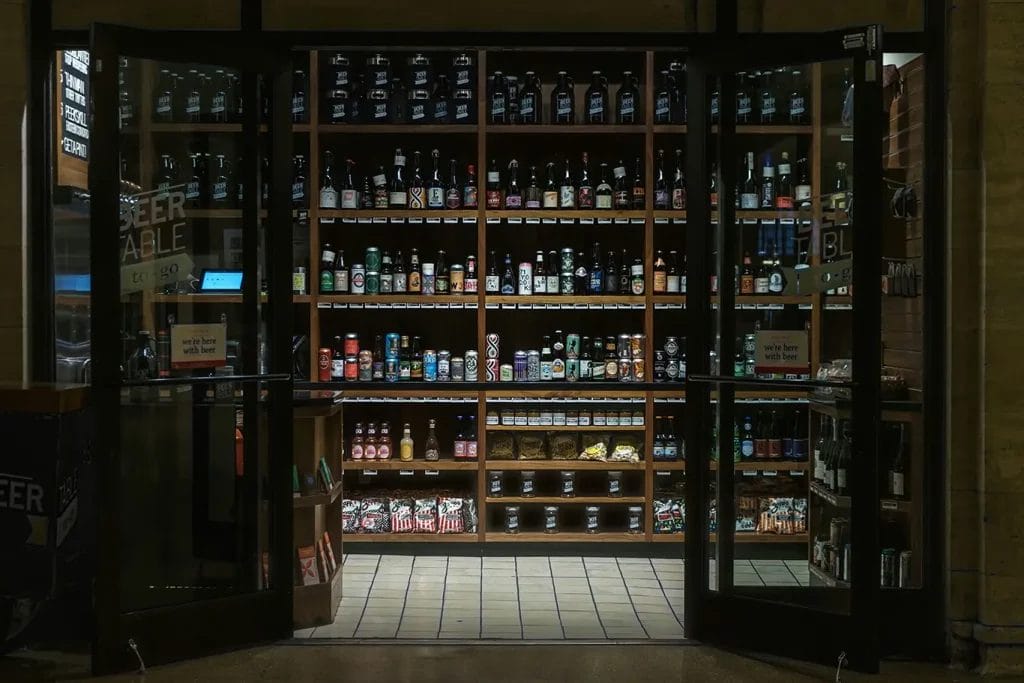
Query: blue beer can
x,y
391,340
429,365
391,369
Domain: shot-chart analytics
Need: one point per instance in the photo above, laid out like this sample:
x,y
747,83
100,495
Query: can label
x,y
351,369
525,278
324,365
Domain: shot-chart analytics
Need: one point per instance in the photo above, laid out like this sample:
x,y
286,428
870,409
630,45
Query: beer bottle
x,y
404,358
768,187
679,184
611,275
784,192
219,196
439,100
380,189
585,190
327,257
597,360
627,99
417,191
748,195
677,92
713,185
530,99
672,279
597,98
603,194
493,186
397,101
611,360
768,113
415,278
551,189
660,273
802,191
193,96
328,194
620,196
164,97
338,370
416,362
167,176
551,271
558,357
378,358
453,197
367,198
540,281
340,274
349,193
387,274
661,195
596,283
545,359
744,112
639,192
513,196
663,99
435,187
586,359
761,279
221,99
508,277
492,282
624,274
567,191
194,195
533,195
471,284
563,103
298,96
299,182
581,279
776,276
747,275
797,99
469,198
497,104
442,277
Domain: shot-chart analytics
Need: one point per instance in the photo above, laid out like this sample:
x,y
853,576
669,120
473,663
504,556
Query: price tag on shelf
x,y
586,221
604,221
396,220
566,221
405,473
679,221
415,219
508,307
417,305
388,305
636,221
491,220
747,307
552,307
796,473
749,473
349,220
491,306
469,219
326,221
662,473
548,220
451,219
321,304
354,305
431,473
769,473
514,220
435,220
622,221
378,219
787,221
372,306
370,473
533,221
579,306
890,505
660,221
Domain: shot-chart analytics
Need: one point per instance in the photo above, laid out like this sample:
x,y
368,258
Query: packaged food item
x,y
563,445
627,449
595,447
350,516
568,489
512,519
532,447
426,516
495,484
401,515
635,519
615,484
592,517
374,516
449,516
527,484
470,517
501,446
551,519
747,513
668,516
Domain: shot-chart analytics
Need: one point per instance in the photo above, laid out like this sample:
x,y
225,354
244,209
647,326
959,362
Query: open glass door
x,y
191,343
784,335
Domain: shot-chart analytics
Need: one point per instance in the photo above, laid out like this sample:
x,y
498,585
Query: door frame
x,y
721,616
192,629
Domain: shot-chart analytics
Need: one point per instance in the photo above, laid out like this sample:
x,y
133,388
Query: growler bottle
x,y
219,194
797,99
221,99
768,98
439,101
663,99
677,92
298,96
163,101
530,99
194,194
193,97
563,103
167,176
497,104
597,99
627,100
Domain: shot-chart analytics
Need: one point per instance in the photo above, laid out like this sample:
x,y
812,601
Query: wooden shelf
x,y
668,538
892,411
760,466
72,299
668,465
741,215
210,127
318,499
568,215
561,465
401,215
565,428
418,465
743,299
572,302
829,497
432,299
395,128
563,537
741,129
740,537
198,298
566,129
821,575
557,500
411,538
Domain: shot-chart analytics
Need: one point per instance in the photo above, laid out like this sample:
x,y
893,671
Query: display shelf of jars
x,y
411,465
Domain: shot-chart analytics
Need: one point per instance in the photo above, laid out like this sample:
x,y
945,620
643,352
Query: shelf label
x,y
533,221
469,219
436,221
566,221
415,219
663,473
370,473
431,473
660,221
548,220
890,505
749,473
378,219
405,473
448,219
514,220
321,304
491,221
586,221
796,473
769,473
396,220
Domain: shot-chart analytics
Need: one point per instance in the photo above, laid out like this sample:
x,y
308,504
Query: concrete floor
x,y
397,663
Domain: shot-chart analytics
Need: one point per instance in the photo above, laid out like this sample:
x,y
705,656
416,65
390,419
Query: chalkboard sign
x,y
72,100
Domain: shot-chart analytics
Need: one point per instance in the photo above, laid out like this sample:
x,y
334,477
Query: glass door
x,y
784,327
191,343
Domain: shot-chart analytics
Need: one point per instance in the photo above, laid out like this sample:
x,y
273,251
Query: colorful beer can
x,y
323,365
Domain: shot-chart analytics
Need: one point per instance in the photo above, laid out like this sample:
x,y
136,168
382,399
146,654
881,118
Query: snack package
x,y
563,446
401,515
470,517
668,516
501,446
374,517
449,516
425,511
532,447
350,516
747,513
799,515
627,449
595,447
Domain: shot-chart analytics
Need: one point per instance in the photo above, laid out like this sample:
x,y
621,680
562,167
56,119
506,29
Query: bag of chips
x,y
350,516
595,447
401,515
627,449
425,510
668,516
374,517
449,516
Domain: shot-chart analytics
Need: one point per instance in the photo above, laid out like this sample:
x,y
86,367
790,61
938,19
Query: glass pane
x,y
192,524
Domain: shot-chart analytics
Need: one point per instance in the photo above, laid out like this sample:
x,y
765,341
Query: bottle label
x,y
550,199
552,284
380,198
461,111
387,283
298,192
217,104
349,199
558,369
163,104
416,197
192,190
563,104
414,281
357,451
469,196
661,198
660,281
471,452
678,198
401,282
339,112
461,77
328,198
783,202
540,284
761,285
714,106
493,199
775,283
513,201
743,105
533,203
383,451
796,106
595,106
748,200
638,196
220,191
672,284
622,199
802,193
498,105
626,105
435,197
338,368
417,112
586,198
567,197
460,450
661,106
452,199
746,284
526,105
380,111
767,106
897,484
370,451
440,110
492,283
341,281
603,201
192,104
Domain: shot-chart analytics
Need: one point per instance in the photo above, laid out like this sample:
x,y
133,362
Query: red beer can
x,y
351,344
324,365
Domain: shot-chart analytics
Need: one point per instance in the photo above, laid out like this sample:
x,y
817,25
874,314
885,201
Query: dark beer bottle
x,y
597,99
621,193
585,191
513,196
530,99
627,99
163,100
298,96
679,184
493,186
469,191
219,188
497,105
563,103
639,195
533,195
453,197
435,187
661,194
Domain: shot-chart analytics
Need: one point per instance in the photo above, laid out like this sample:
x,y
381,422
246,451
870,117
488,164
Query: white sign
x,y
781,351
199,345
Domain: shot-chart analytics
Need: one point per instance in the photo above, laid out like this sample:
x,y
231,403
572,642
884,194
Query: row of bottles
x,y
775,188
771,435
381,273
210,181
566,188
394,357
399,188
567,273
368,445
667,444
833,455
510,102
572,357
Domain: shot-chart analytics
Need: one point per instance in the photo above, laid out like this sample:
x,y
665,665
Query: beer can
x,y
358,279
430,365
551,519
572,369
491,346
491,369
636,346
671,347
505,372
391,342
566,284
519,362
749,346
888,578
378,369
323,365
611,369
533,366
351,344
457,279
365,365
638,372
511,519
572,345
622,346
525,278
592,515
457,369
566,263
625,370
372,259
904,577
372,282
660,366
472,373
351,368
444,366
635,519
391,369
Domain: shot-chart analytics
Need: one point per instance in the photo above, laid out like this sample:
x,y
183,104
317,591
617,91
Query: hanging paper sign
x,y
781,351
199,345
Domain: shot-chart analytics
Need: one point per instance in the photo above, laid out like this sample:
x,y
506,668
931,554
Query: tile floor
x,y
524,598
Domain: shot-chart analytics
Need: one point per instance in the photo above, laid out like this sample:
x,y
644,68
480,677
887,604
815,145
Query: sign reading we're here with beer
x,y
781,351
